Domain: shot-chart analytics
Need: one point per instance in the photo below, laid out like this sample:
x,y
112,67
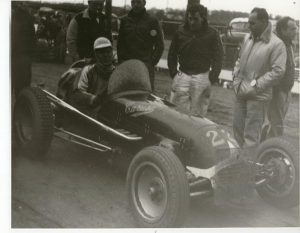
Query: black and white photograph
x,y
133,114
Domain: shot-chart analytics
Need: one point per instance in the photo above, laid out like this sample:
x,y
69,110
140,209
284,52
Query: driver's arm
x,y
81,95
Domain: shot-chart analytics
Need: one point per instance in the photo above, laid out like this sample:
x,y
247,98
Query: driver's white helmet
x,y
101,43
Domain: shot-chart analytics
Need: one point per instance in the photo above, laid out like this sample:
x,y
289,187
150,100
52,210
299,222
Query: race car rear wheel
x,y
158,189
279,174
33,123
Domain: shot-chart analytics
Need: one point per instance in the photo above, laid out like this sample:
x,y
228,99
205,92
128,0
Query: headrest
x,y
131,75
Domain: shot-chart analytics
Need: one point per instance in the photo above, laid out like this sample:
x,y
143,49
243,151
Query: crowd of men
x,y
262,78
51,29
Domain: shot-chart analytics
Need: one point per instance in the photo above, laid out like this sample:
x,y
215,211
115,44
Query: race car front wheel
x,y
277,176
158,189
33,123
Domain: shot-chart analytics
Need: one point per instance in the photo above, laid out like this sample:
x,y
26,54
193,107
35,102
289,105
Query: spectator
x,y
140,37
42,29
58,33
22,46
286,29
261,66
198,50
85,28
91,87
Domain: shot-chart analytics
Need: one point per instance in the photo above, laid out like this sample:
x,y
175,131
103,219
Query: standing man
x,y
22,46
140,37
261,66
198,50
286,29
85,28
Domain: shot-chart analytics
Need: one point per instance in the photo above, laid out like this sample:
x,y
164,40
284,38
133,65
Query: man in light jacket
x,y
261,65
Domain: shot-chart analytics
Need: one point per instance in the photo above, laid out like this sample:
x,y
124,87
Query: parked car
x,y
174,157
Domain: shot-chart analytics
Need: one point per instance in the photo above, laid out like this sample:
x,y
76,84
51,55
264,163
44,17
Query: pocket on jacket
x,y
245,90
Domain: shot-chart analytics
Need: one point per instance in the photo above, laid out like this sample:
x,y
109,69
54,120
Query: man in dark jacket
x,y
286,29
198,50
85,28
22,46
140,37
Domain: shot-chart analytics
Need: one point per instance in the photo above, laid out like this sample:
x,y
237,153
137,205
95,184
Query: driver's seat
x,y
81,63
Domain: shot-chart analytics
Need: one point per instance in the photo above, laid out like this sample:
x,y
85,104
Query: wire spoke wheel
x,y
283,174
280,171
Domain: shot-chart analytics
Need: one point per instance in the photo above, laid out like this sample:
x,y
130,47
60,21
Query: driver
x,y
91,86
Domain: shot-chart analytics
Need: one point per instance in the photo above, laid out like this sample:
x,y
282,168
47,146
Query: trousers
x,y
277,112
191,93
249,118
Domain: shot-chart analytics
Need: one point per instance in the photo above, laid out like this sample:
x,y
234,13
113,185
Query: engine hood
x,y
162,117
203,142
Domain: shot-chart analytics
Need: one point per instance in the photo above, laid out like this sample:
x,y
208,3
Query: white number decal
x,y
214,138
231,139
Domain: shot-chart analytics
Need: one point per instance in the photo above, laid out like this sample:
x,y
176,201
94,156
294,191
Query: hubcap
x,y
149,190
156,190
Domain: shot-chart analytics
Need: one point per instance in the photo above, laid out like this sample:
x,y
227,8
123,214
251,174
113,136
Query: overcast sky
x,y
274,7
280,7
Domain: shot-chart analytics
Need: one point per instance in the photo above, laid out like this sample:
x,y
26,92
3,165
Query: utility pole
x,y
193,2
108,11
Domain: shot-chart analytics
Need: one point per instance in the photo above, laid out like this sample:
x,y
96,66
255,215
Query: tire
x,y
33,123
157,188
282,189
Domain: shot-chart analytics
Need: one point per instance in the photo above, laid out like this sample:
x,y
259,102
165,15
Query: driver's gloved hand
x,y
98,99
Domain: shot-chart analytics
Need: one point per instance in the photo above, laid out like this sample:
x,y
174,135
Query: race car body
x,y
174,156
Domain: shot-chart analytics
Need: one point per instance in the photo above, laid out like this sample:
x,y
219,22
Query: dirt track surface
x,y
77,188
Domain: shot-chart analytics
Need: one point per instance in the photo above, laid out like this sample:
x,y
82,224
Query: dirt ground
x,y
78,188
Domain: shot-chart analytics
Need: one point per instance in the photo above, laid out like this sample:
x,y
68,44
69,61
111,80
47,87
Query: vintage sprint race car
x,y
174,157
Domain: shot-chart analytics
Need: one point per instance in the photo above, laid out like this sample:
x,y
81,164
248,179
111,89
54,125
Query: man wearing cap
x,y
91,86
140,37
85,28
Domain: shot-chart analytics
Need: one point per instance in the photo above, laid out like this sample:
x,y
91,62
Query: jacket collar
x,y
266,35
139,15
85,14
287,42
202,30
